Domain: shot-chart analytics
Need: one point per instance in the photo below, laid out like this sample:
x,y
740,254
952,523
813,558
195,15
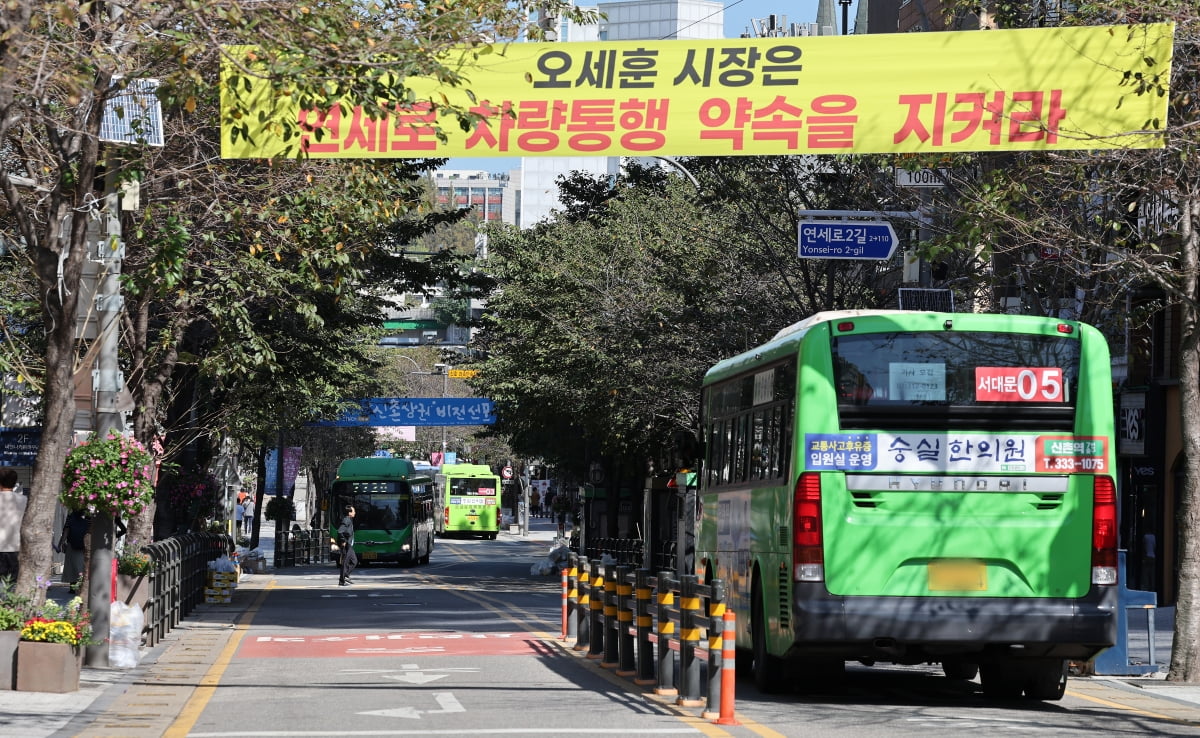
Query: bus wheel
x,y
1002,681
769,675
1047,680
959,669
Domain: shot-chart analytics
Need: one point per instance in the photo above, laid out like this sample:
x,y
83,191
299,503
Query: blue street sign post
x,y
846,239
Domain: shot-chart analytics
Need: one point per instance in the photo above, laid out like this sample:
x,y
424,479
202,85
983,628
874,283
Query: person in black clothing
x,y
345,543
71,543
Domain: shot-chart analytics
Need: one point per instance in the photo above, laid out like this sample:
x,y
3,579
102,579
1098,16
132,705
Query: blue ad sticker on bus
x,y
946,452
840,451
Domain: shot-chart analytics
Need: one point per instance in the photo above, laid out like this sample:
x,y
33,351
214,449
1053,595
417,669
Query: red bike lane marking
x,y
317,645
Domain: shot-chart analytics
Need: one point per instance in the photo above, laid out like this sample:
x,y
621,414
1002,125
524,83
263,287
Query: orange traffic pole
x,y
728,672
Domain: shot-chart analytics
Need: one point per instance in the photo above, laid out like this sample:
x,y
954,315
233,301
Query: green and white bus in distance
x,y
915,487
471,499
394,509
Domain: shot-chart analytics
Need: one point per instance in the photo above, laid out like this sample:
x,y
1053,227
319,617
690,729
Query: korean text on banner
x,y
1004,90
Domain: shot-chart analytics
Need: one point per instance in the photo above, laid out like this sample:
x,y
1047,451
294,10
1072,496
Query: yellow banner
x,y
1026,89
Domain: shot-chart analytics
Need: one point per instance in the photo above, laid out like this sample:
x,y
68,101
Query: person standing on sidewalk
x,y
345,543
239,512
12,510
72,543
248,515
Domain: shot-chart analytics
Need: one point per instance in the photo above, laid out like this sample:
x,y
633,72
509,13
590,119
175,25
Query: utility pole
x,y
107,383
444,370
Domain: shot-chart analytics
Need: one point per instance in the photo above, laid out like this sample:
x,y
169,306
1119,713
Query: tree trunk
x,y
1185,655
59,390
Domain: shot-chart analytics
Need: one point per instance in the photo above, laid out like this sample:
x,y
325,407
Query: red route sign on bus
x,y
1039,384
325,645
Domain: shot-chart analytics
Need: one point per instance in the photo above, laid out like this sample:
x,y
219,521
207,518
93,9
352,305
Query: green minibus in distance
x,y
394,509
915,487
470,495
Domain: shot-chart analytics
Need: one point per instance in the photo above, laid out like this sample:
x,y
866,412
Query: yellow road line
x,y
203,693
1127,708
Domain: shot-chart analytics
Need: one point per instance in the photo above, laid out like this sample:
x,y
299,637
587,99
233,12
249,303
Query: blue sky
x,y
739,12
738,16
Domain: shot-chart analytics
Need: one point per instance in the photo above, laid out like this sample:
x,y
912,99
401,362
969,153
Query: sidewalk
x,y
44,714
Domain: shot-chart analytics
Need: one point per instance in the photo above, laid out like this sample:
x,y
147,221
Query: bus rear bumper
x,y
914,629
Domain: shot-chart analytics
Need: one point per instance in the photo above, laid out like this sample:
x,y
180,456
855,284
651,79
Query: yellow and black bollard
x,y
643,625
666,629
572,613
612,633
689,641
626,657
583,608
716,651
596,626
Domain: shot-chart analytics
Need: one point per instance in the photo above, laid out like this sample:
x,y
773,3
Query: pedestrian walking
x,y
12,510
239,512
345,544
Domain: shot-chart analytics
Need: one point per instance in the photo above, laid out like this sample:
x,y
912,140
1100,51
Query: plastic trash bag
x,y
125,625
224,563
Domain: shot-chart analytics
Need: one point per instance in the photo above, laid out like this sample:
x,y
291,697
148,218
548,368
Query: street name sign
x,y
928,178
846,239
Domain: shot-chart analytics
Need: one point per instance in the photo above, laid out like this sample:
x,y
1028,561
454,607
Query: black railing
x,y
628,551
624,550
301,546
178,578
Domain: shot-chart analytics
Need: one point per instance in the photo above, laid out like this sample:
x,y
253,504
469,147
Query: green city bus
x,y
393,509
914,487
470,496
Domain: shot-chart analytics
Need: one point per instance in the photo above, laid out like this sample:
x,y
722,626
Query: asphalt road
x,y
470,645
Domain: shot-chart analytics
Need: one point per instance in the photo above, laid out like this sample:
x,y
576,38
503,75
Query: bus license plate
x,y
370,555
956,575
472,518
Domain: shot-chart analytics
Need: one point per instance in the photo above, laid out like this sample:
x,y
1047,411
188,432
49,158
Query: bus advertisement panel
x,y
470,495
914,487
394,509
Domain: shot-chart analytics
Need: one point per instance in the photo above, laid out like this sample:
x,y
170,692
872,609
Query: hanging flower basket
x,y
193,495
109,475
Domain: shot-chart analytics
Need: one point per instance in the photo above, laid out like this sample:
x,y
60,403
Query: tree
x,y
52,164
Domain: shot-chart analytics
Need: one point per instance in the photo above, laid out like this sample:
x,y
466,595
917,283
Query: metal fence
x,y
301,546
630,551
178,578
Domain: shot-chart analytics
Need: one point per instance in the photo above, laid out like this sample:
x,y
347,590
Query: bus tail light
x,y
808,555
1104,531
446,515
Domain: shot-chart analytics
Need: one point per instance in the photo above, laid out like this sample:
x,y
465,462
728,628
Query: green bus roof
x,y
466,470
785,341
376,467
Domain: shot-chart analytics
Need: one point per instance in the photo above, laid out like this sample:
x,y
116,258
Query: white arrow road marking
x,y
448,703
416,677
398,712
446,700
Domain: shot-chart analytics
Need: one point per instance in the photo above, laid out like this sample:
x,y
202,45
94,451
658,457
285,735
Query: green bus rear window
x,y
968,375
